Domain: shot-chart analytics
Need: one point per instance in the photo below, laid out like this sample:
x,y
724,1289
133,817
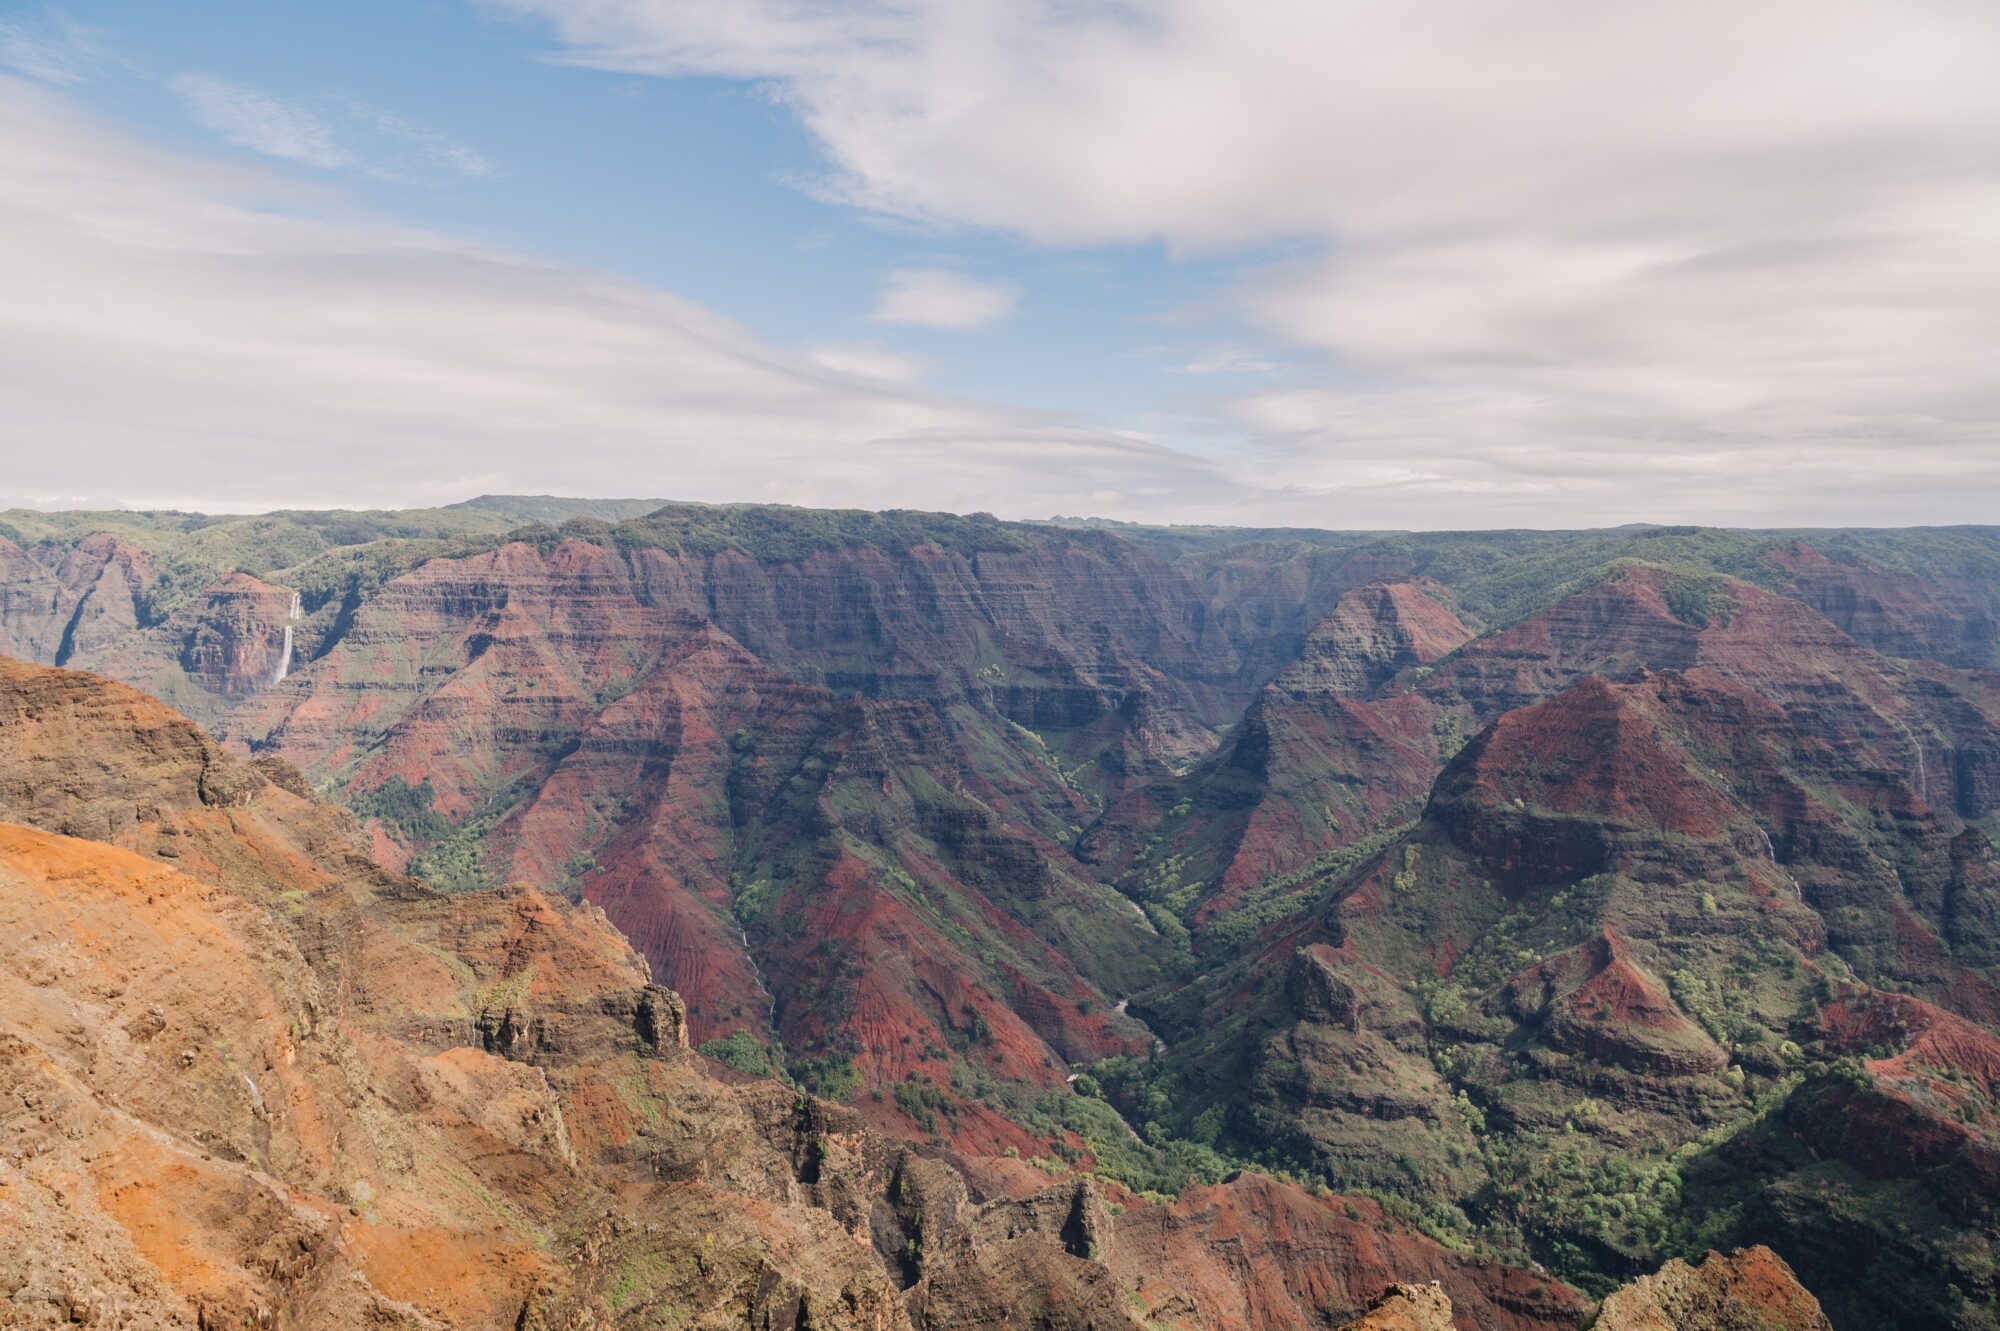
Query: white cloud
x,y
340,134
262,123
50,46
870,360
1227,360
428,145
185,331
942,298
1586,262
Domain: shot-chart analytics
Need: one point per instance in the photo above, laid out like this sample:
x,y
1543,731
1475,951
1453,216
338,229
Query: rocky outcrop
x,y
32,603
72,603
1233,1254
1752,1290
1374,634
105,763
1559,791
1918,1108
1597,1002
232,642
104,581
1406,1308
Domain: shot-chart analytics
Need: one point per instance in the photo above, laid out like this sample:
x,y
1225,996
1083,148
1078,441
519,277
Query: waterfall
x,y
297,611
756,974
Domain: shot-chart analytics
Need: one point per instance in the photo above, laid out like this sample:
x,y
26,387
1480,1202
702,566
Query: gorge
x,y
696,913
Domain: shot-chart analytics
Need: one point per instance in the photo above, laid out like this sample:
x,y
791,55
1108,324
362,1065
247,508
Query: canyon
x,y
1179,925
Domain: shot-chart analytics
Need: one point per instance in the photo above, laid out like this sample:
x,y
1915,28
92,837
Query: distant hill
x,y
560,508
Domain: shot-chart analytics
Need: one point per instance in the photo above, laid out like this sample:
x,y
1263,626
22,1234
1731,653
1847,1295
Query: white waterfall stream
x,y
757,975
1923,773
297,611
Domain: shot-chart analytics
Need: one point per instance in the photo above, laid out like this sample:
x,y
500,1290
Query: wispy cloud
x,y
256,120
869,360
300,355
330,134
1227,360
51,46
428,145
943,298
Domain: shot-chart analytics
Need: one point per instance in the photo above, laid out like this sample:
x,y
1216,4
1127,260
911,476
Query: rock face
x,y
1251,1244
84,600
1559,888
1751,1291
1373,635
1320,757
249,1078
1878,1174
1597,1003
749,735
231,644
1604,938
1406,1308
577,722
1952,618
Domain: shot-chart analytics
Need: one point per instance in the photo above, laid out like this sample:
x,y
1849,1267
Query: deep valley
x,y
568,913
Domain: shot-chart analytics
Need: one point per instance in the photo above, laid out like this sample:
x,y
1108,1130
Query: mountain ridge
x,y
1452,868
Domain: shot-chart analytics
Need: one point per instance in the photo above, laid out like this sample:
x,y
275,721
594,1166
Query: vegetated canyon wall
x,y
1529,882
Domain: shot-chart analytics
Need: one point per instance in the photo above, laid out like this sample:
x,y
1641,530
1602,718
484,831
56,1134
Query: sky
x,y
1300,262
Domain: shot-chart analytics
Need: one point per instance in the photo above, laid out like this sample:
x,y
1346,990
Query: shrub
x,y
742,1051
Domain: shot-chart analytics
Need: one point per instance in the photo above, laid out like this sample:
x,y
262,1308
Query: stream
x,y
296,612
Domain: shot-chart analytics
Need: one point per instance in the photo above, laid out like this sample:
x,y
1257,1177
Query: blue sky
x,y
699,185
1323,262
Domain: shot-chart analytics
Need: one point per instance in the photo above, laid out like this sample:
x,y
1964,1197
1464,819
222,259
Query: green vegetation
x,y
746,1053
1700,601
923,1102
752,901
456,865
404,809
557,508
830,1076
783,534
1279,896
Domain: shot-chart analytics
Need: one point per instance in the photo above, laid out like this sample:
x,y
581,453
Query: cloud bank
x,y
181,331
1547,263
1556,260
